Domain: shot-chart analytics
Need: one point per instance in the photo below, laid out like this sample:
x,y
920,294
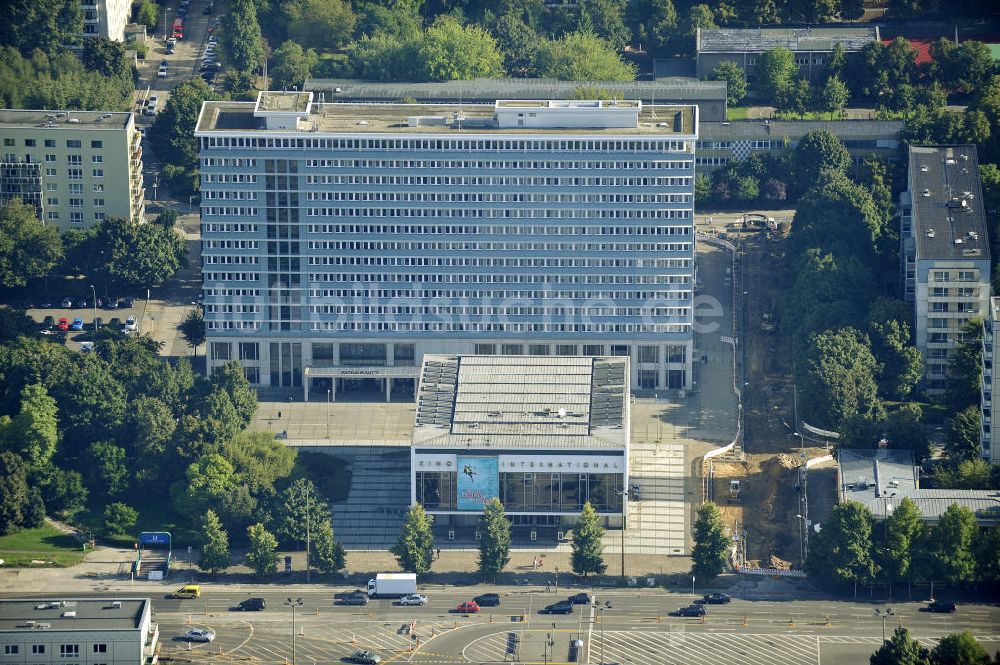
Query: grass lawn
x,y
736,113
155,515
46,543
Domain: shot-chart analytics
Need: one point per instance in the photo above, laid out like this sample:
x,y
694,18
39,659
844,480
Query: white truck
x,y
392,585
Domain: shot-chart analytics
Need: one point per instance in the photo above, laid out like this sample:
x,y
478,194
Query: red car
x,y
63,323
468,607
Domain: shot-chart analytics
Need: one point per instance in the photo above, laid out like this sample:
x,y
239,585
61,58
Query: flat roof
x,y
947,203
283,102
932,503
42,119
523,402
757,40
778,129
350,118
50,614
486,90
875,472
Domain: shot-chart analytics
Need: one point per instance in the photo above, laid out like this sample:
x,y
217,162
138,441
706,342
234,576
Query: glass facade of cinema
x,y
529,492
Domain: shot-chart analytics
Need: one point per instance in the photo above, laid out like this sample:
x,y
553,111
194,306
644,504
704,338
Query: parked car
x,y
199,635
716,599
82,303
172,41
413,599
562,607
581,599
468,607
941,607
690,611
63,323
48,322
365,657
112,303
67,303
77,324
251,605
115,323
162,73
163,63
130,324
98,323
126,303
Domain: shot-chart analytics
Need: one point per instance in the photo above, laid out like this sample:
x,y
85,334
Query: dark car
x,y
488,600
251,605
98,323
111,303
691,611
562,607
716,599
941,607
81,303
580,599
356,598
115,323
48,322
126,303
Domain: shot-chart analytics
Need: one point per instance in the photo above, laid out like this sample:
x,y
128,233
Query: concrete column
x,y
388,389
333,389
307,380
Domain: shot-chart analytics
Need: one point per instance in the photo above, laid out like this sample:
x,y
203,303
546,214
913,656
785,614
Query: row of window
x,y
491,165
498,181
547,144
500,213
65,650
954,276
479,262
477,310
449,278
51,143
74,202
74,217
456,327
618,296
491,197
74,187
961,292
228,259
229,194
73,174
728,145
390,245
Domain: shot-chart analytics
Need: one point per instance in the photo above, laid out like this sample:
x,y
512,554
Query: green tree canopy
x,y
901,365
172,133
494,543
587,554
959,649
518,44
965,369
900,649
582,57
964,434
451,51
414,549
967,474
34,432
901,534
836,379
842,550
964,68
291,66
818,152
326,554
192,329
833,96
119,518
735,78
214,553
231,379
903,428
652,22
321,24
14,493
950,546
262,551
776,72
148,14
29,249
711,544
240,43
105,467
301,507
91,405
41,24
208,482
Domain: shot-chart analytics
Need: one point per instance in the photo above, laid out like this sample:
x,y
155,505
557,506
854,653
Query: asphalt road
x,y
636,629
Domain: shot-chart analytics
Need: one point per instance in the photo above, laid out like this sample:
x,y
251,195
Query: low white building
x,y
78,631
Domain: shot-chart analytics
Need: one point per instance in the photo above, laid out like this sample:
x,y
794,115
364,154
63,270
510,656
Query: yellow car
x,y
187,591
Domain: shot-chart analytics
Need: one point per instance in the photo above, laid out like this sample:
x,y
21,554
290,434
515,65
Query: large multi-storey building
x,y
343,242
105,18
990,402
76,167
945,253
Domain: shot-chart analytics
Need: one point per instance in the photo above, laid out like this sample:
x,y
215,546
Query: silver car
x,y
199,635
413,599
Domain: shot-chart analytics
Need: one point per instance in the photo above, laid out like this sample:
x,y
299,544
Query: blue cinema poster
x,y
478,482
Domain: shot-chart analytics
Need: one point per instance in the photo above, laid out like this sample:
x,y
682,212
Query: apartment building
x,y
988,403
76,167
105,18
944,251
810,46
78,630
343,242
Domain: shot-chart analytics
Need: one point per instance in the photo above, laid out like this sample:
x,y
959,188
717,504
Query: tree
x,y
241,45
711,544
414,549
107,57
231,379
833,96
965,68
965,369
119,518
106,471
151,426
587,548
652,23
62,489
702,188
959,649
138,254
451,51
842,550
796,97
327,554
34,432
836,379
214,555
91,405
902,532
605,18
494,543
988,555
698,16
901,365
300,508
192,329
903,429
172,134
735,78
14,493
582,57
776,71
818,152
518,44
29,249
949,546
291,66
47,25
968,474
208,482
900,649
964,434
148,14
262,552
322,24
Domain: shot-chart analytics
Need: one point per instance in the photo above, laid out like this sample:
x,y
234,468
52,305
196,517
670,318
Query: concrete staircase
x,y
378,499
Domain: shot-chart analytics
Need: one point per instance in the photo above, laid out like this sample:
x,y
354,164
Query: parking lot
x,y
110,318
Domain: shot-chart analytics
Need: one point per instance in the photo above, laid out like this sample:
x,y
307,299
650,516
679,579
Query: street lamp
x,y
293,604
802,442
624,495
601,608
328,400
166,11
887,612
93,292
802,554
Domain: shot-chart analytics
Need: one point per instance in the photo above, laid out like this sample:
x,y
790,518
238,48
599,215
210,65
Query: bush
x,y
119,518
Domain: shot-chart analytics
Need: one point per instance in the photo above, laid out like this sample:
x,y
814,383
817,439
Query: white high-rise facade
x,y
342,242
